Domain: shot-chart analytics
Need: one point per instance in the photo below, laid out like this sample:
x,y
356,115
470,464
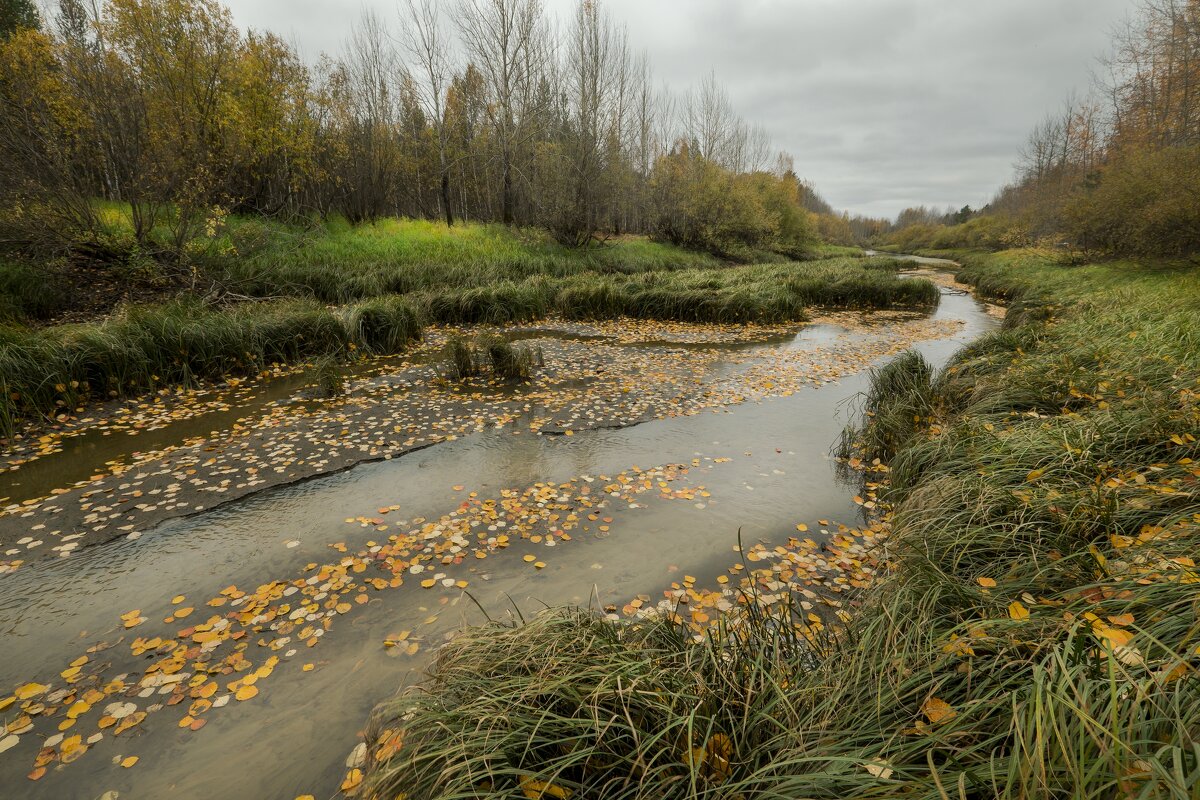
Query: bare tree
x,y
365,93
427,48
506,40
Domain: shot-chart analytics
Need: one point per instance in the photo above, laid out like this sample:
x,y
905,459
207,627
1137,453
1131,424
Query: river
x,y
759,467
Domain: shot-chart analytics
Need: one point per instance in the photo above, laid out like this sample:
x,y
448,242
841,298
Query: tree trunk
x,y
506,199
446,198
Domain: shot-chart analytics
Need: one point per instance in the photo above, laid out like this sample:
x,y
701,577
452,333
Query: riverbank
x,y
244,316
1026,623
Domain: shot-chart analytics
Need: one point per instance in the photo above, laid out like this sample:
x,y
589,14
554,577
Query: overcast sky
x,y
884,103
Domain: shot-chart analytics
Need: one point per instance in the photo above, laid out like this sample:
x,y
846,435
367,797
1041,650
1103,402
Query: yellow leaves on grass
x,y
352,781
1017,610
711,760
987,583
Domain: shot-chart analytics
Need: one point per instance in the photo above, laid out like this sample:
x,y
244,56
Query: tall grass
x,y
1037,633
503,359
47,371
752,293
28,292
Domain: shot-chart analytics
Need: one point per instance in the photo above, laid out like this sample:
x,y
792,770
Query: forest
x,y
502,115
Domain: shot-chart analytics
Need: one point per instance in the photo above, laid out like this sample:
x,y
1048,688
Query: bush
x,y
1145,203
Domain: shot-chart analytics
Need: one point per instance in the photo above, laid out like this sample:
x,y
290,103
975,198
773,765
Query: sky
x,y
884,104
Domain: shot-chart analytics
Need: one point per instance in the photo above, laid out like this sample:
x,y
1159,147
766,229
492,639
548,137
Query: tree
x,y
42,143
427,48
17,14
507,41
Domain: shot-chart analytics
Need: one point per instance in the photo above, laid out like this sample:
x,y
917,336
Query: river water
x,y
760,468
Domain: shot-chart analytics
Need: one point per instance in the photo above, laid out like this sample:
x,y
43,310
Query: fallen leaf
x,y
936,710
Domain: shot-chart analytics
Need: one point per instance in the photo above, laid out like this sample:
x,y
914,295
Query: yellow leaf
x,y
246,692
353,778
535,789
936,710
1017,610
1034,475
1115,637
879,769
29,690
987,583
129,762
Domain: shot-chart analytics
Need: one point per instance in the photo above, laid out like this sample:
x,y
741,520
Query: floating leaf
x,y
29,690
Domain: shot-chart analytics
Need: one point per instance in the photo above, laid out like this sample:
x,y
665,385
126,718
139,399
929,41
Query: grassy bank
x,y
1036,636
53,370
255,294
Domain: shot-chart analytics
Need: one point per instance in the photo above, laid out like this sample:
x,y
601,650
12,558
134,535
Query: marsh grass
x,y
54,370
1036,633
488,352
391,279
462,358
327,379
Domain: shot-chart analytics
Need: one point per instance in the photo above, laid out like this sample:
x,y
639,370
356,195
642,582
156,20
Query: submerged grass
x,y
489,352
1036,636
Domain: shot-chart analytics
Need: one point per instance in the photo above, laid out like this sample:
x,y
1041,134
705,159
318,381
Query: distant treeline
x,y
484,110
1116,171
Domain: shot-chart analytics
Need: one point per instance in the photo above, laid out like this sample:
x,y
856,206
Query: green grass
x,y
1036,636
27,293
751,293
336,263
390,278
